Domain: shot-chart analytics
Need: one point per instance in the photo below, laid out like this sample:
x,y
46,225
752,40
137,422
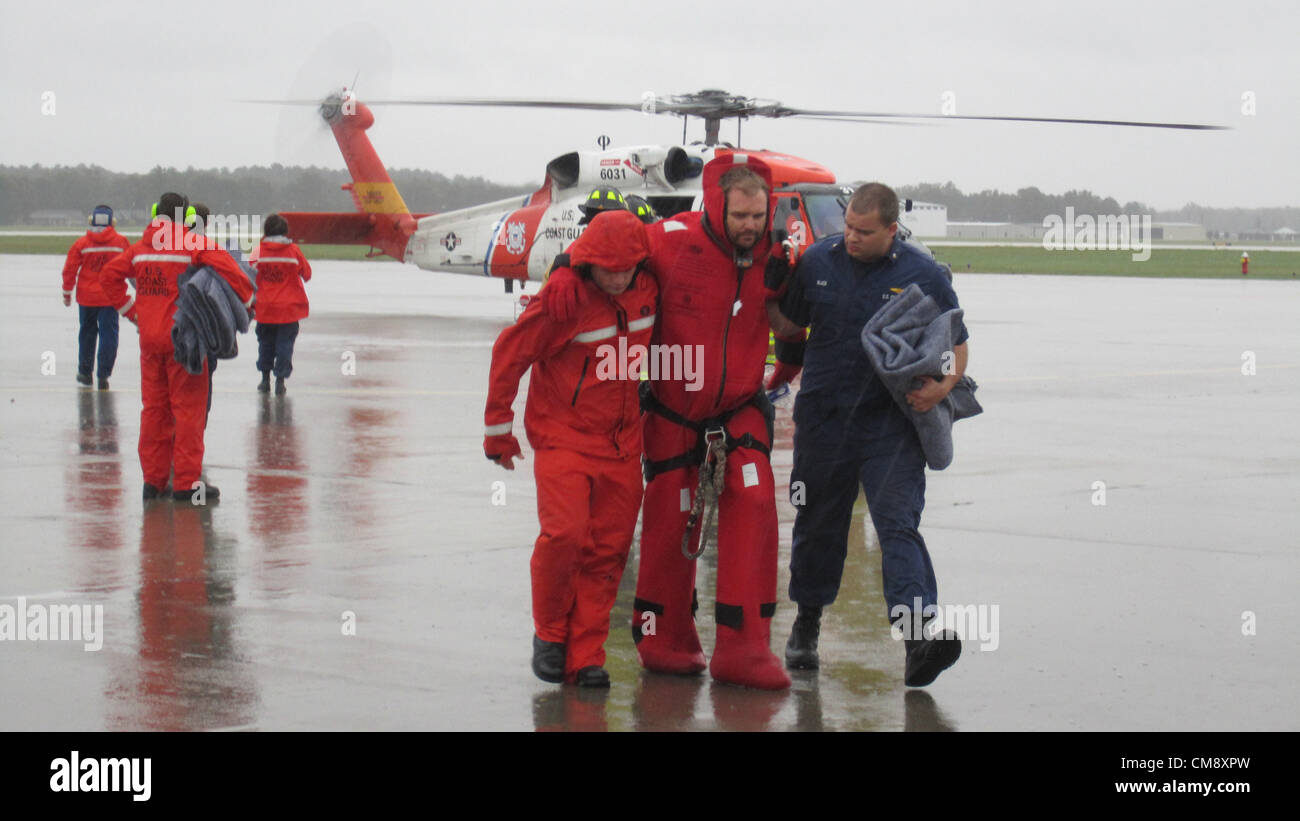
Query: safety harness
x,y
710,451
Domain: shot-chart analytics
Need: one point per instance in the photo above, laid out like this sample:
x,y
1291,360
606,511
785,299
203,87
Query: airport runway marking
x,y
1132,374
297,391
1094,541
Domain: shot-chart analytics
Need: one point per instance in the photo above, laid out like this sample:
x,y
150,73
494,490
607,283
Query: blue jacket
x,y
837,295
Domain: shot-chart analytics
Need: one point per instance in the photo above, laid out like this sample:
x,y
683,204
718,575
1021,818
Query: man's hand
x,y
133,315
930,393
776,276
562,295
789,354
784,374
502,449
67,300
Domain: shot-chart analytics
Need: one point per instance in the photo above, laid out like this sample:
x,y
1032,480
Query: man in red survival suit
x,y
175,401
710,270
584,424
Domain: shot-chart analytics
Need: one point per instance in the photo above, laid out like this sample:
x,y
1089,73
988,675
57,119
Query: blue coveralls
x,y
848,429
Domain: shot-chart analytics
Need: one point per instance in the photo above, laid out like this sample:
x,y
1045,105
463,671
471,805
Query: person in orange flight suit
x,y
281,302
583,420
86,258
175,401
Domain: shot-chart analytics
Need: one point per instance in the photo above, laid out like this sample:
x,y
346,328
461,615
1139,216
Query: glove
x,y
784,374
562,295
789,359
502,449
67,300
776,276
133,315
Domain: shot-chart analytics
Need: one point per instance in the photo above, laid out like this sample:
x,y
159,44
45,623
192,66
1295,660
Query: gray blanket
x,y
208,315
907,339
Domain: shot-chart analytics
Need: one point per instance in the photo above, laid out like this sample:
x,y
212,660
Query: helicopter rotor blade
x,y
719,106
1068,120
870,121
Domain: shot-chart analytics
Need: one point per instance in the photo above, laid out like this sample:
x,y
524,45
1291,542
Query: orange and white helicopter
x,y
517,238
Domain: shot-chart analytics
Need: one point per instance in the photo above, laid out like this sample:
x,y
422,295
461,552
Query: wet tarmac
x,y
362,572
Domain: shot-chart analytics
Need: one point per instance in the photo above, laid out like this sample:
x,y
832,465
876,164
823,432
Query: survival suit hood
x,y
615,240
715,211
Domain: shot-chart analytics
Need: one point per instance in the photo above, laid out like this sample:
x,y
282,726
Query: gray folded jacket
x,y
208,315
907,339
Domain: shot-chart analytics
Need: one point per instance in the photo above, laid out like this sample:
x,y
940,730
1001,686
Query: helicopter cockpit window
x,y
826,213
666,207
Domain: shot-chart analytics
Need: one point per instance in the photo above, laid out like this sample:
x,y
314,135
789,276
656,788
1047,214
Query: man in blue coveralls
x,y
848,428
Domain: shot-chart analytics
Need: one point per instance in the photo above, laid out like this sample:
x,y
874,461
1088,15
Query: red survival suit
x,y
175,401
86,258
712,302
584,423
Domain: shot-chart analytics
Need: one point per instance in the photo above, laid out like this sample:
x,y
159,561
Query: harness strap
x,y
651,404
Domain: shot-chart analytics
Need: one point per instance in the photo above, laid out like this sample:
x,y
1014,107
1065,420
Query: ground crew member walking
x,y
85,260
584,424
175,401
281,301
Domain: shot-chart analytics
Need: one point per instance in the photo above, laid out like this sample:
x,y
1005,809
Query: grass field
x,y
1207,263
1210,262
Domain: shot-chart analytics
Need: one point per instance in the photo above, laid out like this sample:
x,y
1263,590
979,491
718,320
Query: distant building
x,y
1285,234
927,220
62,217
1023,231
1178,231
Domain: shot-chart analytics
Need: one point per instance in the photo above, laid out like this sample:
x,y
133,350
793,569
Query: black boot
x,y
151,492
279,386
265,385
593,677
103,383
83,378
548,660
927,658
801,649
211,493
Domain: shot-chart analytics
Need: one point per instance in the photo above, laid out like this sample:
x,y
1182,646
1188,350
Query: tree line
x,y
1030,205
25,190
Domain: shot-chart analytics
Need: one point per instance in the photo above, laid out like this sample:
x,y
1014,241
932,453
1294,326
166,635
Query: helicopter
x,y
517,238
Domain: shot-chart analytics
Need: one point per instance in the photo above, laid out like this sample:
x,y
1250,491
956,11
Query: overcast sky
x,y
140,85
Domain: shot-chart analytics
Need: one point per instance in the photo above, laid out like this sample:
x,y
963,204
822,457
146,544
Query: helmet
x,y
644,210
601,199
101,217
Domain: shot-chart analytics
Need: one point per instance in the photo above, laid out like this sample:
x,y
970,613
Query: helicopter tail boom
x,y
382,219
